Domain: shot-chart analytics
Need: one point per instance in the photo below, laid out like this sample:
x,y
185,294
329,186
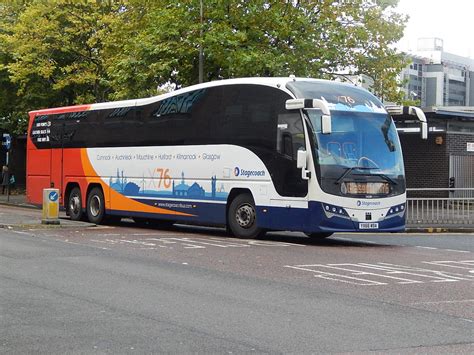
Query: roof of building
x,y
450,111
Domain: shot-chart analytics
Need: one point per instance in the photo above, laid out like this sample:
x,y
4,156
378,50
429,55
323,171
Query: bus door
x,y
56,166
290,139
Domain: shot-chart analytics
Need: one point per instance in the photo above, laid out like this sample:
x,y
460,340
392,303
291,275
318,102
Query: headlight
x,y
332,210
399,209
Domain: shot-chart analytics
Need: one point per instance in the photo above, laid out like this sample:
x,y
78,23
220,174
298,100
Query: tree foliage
x,y
63,52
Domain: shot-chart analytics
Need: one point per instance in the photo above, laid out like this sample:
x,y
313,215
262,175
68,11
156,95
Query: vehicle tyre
x,y
74,204
321,235
95,205
242,217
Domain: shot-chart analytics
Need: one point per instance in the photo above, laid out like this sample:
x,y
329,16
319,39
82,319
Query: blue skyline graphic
x,y
181,190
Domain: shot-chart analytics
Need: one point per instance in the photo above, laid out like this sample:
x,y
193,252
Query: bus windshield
x,y
361,157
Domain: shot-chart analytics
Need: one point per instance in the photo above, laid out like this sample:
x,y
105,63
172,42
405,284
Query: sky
x,y
450,20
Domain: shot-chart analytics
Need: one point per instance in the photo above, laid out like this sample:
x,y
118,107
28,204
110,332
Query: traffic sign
x,y
6,141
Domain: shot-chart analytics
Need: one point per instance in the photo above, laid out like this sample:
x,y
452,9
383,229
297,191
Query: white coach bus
x,y
254,154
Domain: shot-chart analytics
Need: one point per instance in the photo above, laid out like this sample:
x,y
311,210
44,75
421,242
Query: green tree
x,y
12,119
63,52
57,52
153,43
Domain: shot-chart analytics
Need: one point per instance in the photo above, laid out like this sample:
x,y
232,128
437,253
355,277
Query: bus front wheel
x,y
95,205
242,217
74,204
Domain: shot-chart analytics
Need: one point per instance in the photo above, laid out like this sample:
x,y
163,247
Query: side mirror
x,y
301,159
297,104
418,112
326,127
412,111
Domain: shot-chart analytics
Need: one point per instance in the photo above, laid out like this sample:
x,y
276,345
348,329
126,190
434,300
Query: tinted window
x,y
244,115
249,116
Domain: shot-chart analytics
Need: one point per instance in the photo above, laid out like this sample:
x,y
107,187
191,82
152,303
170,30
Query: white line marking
x,y
224,244
385,271
446,264
458,251
439,302
335,266
369,282
23,233
321,274
431,248
442,276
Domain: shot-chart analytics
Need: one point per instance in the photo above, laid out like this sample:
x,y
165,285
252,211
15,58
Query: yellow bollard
x,y
50,206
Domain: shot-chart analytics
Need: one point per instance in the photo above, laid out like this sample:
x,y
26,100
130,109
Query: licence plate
x,y
368,225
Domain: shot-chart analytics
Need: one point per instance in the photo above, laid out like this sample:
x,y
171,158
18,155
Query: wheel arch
x,y
91,186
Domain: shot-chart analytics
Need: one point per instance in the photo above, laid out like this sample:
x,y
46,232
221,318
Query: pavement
x,y
20,217
16,212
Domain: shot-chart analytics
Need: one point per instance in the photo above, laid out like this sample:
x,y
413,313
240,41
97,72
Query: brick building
x,y
446,158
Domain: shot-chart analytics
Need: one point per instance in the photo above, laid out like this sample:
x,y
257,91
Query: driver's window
x,y
290,135
290,139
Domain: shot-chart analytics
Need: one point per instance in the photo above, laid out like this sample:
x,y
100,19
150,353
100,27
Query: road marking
x,y
22,233
366,274
458,251
124,241
158,240
223,244
439,302
337,277
465,264
421,247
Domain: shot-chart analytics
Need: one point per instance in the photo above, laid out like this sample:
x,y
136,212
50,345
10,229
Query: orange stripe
x,y
118,201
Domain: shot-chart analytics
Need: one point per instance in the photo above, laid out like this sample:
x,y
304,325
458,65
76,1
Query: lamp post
x,y
201,54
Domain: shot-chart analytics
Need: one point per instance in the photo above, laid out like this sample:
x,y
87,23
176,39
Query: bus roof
x,y
279,82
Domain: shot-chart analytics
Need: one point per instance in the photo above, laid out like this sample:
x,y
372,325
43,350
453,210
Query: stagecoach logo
x,y
367,203
248,173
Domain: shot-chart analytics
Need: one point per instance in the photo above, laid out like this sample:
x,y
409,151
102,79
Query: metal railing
x,y
440,210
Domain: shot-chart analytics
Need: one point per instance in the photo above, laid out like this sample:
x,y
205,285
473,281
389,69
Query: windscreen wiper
x,y
350,170
385,177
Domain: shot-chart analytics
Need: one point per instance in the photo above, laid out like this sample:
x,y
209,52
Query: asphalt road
x,y
123,289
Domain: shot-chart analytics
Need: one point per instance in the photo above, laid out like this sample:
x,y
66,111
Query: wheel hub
x,y
75,204
95,206
245,216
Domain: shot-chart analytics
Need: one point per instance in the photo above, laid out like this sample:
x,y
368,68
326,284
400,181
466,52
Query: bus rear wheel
x,y
74,205
242,217
95,205
321,235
